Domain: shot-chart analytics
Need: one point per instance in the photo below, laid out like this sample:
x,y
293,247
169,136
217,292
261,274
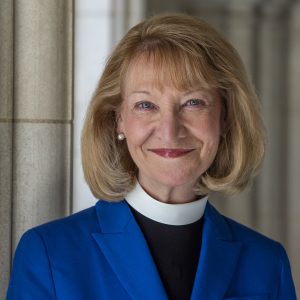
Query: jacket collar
x,y
125,248
218,258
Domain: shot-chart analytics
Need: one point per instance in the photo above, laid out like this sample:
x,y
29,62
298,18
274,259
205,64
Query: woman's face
x,y
172,135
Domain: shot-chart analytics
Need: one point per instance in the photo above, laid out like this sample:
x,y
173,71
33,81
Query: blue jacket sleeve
x,y
286,288
31,273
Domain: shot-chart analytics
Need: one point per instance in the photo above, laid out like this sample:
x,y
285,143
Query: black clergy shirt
x,y
175,250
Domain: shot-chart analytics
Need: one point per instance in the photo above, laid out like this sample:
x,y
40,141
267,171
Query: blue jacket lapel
x,y
125,248
218,257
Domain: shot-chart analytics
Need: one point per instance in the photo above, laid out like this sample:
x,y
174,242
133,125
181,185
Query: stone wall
x,y
35,118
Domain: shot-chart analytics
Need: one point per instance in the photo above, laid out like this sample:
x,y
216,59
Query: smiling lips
x,y
171,153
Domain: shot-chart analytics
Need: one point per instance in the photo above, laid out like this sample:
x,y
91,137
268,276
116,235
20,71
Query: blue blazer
x,y
101,253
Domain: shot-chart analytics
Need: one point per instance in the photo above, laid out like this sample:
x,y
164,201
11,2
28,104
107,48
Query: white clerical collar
x,y
166,213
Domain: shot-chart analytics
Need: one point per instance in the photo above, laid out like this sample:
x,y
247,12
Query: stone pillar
x,y
35,117
240,30
6,113
125,14
291,199
273,53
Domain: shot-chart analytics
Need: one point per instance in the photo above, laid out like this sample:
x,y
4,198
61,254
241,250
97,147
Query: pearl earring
x,y
120,136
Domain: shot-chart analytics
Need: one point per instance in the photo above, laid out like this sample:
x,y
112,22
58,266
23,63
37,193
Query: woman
x,y
173,119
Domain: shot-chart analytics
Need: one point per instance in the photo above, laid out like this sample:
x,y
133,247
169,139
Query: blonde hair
x,y
191,53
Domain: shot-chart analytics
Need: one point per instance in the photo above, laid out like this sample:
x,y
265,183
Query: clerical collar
x,y
166,213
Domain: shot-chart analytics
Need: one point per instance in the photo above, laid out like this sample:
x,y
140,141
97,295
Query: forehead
x,y
152,72
143,75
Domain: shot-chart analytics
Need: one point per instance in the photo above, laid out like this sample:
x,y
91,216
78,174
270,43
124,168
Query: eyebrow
x,y
203,90
186,93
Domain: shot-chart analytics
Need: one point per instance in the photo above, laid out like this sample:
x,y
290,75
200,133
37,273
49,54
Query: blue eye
x,y
195,102
144,105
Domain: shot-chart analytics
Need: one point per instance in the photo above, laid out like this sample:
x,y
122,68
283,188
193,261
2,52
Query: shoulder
x,y
260,259
79,222
257,244
247,234
77,228
63,232
253,243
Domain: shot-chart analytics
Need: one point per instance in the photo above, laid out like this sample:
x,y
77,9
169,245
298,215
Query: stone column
x,y
241,30
125,14
273,53
6,113
291,199
35,117
42,112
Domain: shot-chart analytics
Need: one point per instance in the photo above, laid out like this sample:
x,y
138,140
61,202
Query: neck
x,y
169,194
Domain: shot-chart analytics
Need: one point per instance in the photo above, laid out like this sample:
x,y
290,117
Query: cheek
x,y
136,131
213,132
212,137
127,124
208,130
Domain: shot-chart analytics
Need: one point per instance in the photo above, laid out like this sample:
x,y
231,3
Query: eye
x,y
195,103
144,105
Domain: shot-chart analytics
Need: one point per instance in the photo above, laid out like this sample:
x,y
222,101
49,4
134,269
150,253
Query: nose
x,y
171,127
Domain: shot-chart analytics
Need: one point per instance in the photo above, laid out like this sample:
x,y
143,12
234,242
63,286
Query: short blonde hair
x,y
190,52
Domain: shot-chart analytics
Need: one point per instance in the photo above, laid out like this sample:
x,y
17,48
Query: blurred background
x,y
52,53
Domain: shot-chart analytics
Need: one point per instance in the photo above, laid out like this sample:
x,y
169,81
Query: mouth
x,y
171,153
